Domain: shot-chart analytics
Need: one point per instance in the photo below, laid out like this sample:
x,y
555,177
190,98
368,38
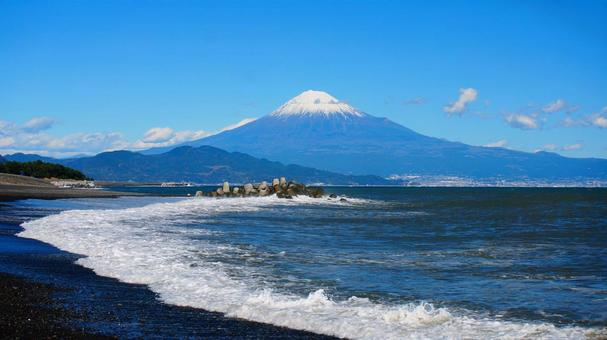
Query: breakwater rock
x,y
279,187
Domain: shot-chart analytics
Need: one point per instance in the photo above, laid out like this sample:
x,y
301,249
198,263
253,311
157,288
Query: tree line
x,y
40,169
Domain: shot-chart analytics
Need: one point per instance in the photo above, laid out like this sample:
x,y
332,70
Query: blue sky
x,y
86,76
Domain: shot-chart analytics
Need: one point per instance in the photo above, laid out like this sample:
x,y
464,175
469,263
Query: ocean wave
x,y
153,245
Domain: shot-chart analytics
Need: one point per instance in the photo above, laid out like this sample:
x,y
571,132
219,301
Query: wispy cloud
x,y
158,135
555,147
466,96
523,121
555,106
499,144
548,147
237,125
37,124
414,101
164,136
89,142
19,140
597,119
570,121
31,137
572,109
571,147
6,141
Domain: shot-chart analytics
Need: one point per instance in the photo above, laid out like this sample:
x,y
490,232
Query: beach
x,y
388,262
27,310
43,293
14,187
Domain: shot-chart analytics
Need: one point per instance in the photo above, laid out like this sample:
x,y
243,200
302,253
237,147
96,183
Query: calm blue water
x,y
390,262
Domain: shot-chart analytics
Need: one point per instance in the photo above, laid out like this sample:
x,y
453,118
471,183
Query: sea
x,y
381,263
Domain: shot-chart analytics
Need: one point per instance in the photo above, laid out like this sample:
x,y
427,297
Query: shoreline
x,y
11,192
31,308
16,187
55,297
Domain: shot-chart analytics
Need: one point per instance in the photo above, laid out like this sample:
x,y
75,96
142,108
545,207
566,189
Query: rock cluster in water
x,y
279,187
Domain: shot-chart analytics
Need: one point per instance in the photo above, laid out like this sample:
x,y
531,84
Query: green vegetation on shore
x,y
40,169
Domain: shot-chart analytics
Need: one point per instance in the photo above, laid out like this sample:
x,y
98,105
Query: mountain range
x,y
315,129
204,164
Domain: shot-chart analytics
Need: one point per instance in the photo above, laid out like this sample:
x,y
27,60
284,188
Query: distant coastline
x,y
15,187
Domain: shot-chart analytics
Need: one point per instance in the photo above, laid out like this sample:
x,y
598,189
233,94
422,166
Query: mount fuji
x,y
315,129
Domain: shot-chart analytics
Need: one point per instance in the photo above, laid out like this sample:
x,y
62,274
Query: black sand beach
x,y
29,311
43,294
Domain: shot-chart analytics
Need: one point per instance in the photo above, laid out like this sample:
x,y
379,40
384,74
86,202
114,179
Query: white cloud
x,y
92,142
21,141
237,125
158,135
555,106
4,125
6,141
572,147
599,121
30,138
596,119
549,147
569,122
7,128
37,124
555,147
182,136
522,121
466,96
499,144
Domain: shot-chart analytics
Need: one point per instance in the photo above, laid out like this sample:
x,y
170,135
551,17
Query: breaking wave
x,y
156,245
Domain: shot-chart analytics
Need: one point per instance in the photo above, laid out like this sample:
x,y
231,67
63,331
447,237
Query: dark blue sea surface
x,y
387,263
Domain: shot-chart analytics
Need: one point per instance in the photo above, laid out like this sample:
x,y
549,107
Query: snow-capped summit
x,y
317,130
316,103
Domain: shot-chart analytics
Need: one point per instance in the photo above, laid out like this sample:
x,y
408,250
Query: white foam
x,y
148,245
